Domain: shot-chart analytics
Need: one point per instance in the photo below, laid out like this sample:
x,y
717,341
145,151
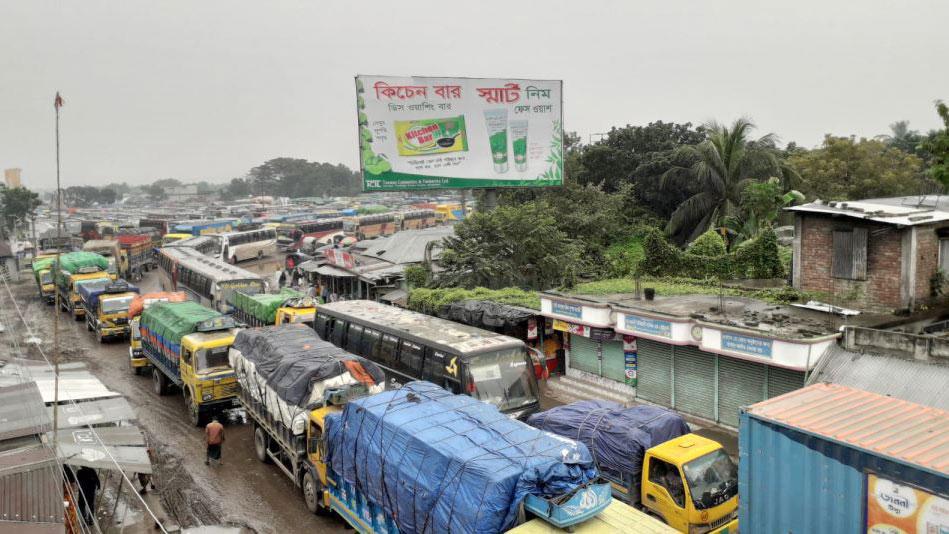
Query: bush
x,y
757,258
708,244
622,258
431,300
416,276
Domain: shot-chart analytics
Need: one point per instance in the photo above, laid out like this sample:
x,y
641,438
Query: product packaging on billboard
x,y
433,133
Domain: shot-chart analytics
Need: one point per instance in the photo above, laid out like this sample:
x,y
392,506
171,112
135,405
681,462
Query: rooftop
x,y
900,211
904,431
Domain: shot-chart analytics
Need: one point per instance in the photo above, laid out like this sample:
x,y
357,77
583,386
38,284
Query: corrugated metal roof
x,y
919,381
904,431
878,210
407,246
32,490
22,411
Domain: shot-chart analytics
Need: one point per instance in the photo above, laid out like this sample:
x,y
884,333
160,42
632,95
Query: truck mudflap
x,y
728,528
365,516
583,504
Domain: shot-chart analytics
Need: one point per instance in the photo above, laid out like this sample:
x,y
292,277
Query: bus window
x,y
503,378
370,338
385,351
435,371
354,339
410,358
337,333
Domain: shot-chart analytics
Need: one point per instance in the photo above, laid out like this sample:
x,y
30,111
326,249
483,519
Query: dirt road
x,y
242,492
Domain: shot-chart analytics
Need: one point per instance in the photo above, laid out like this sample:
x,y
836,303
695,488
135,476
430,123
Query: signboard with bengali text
x,y
463,133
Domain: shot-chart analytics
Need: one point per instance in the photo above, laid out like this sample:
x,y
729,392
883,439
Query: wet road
x,y
242,492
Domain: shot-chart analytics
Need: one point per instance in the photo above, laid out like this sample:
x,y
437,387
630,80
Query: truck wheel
x,y
88,326
312,492
159,382
261,444
137,371
194,411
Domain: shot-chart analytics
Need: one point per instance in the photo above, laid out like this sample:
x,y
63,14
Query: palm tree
x,y
721,165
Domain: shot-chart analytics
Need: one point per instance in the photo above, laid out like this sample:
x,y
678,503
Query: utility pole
x,y
57,103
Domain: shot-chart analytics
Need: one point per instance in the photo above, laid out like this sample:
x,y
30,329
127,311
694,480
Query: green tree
x,y
292,177
17,205
237,188
156,192
845,168
510,246
720,167
903,138
936,146
761,203
87,195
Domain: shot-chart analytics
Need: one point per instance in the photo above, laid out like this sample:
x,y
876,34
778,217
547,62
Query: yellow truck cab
x,y
687,482
68,289
42,266
187,346
264,309
107,308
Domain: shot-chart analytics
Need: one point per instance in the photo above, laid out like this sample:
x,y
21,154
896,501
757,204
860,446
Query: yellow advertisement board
x,y
894,508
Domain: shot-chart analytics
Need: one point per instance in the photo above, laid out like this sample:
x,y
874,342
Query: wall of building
x,y
927,260
881,289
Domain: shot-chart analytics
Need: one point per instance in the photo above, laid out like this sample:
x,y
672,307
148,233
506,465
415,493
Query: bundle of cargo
x,y
140,302
261,309
80,262
288,369
427,460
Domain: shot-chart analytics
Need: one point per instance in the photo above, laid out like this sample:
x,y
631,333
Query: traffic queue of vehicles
x,y
311,377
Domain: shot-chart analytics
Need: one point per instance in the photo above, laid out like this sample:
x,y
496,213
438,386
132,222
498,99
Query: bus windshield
x,y
503,379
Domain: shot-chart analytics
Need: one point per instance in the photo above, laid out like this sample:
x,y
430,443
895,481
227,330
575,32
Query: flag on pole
x,y
58,103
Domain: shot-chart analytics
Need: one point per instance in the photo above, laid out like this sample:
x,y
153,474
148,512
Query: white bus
x,y
208,281
252,244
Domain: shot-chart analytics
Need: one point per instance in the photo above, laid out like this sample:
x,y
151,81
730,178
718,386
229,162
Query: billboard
x,y
462,133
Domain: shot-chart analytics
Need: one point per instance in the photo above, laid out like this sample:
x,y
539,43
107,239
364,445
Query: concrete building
x,y
698,354
877,254
12,177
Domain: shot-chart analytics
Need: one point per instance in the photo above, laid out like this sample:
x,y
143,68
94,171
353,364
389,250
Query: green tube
x,y
519,144
495,120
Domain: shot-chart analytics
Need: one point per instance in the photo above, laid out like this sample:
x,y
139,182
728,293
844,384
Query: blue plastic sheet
x,y
438,462
616,436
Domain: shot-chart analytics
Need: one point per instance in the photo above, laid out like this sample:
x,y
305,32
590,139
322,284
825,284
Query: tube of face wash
x,y
519,144
496,122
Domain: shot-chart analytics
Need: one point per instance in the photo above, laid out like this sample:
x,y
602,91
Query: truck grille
x,y
225,390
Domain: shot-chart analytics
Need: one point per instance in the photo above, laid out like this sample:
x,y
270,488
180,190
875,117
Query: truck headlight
x,y
207,396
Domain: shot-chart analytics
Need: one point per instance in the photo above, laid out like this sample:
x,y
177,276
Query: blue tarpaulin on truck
x,y
439,462
616,436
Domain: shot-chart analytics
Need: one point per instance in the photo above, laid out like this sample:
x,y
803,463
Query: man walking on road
x,y
214,433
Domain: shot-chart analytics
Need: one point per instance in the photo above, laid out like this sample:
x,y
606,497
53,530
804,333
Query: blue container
x,y
794,481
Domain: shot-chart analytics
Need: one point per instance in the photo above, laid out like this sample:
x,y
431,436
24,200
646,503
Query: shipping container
x,y
829,458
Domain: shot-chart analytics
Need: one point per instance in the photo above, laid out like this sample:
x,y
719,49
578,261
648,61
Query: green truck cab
x,y
106,304
187,346
43,274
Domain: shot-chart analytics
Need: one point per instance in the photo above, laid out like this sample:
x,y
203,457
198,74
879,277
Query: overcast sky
x,y
208,89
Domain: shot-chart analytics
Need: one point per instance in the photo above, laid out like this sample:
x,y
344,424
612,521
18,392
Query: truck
x,y
653,462
136,255
187,346
617,518
43,274
137,360
107,248
423,459
76,269
107,308
262,309
833,458
287,409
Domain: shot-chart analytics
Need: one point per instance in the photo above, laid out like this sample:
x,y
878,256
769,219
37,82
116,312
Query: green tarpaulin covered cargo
x,y
75,261
263,306
42,263
170,321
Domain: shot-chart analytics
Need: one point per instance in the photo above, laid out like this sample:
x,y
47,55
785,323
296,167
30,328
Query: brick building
x,y
877,254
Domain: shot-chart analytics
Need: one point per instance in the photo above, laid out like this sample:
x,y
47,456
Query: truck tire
x,y
137,371
312,492
261,444
194,411
159,382
88,326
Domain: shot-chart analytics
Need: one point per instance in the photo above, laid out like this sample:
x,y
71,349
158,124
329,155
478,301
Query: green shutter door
x,y
740,383
694,381
614,362
655,372
583,354
781,381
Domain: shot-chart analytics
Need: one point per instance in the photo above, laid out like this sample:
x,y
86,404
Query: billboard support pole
x,y
490,199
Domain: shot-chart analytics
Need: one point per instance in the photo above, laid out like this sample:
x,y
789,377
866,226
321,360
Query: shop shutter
x,y
614,361
583,354
694,376
781,381
740,383
655,372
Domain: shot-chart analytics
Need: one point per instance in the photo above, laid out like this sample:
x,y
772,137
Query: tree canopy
x,y
86,195
291,177
936,147
849,168
17,205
